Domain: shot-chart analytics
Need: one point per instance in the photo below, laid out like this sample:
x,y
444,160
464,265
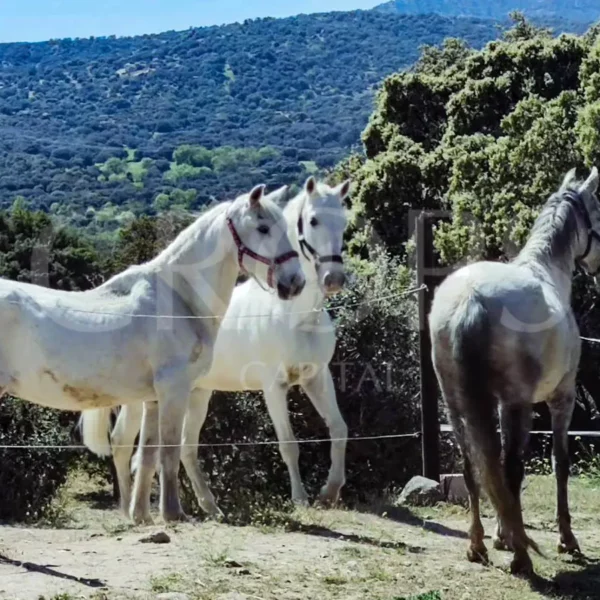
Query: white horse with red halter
x,y
265,344
137,338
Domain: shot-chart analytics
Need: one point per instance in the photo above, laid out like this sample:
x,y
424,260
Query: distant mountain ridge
x,y
585,11
93,129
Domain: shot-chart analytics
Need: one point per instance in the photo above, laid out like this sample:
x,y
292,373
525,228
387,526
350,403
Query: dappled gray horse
x,y
504,337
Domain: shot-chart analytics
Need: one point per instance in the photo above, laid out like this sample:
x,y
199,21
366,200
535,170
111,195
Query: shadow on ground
x,y
580,584
401,514
320,531
97,499
49,570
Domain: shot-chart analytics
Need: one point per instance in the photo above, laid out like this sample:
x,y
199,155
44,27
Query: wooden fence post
x,y
427,274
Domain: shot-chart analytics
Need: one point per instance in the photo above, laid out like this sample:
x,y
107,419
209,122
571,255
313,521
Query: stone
x,y
172,596
420,491
454,488
156,538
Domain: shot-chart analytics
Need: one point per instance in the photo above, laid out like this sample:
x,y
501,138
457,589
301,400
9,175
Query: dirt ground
x,y
381,553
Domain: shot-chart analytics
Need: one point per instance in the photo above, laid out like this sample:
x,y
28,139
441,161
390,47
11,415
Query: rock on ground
x,y
420,491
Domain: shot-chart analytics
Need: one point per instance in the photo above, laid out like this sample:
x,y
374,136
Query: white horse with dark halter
x,y
139,337
504,337
265,344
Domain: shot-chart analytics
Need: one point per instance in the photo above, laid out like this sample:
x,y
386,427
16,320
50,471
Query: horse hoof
x,y
571,547
522,566
175,517
215,514
142,519
302,501
329,497
500,544
478,555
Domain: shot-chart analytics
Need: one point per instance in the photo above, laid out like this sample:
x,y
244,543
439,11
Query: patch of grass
x,y
171,582
351,552
310,166
218,558
427,596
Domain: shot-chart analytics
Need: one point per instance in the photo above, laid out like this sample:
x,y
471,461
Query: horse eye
x,y
314,222
263,229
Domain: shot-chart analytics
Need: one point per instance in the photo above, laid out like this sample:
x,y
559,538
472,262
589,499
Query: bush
x,y
30,477
376,375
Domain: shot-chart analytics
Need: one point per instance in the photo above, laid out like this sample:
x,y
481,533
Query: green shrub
x,y
30,477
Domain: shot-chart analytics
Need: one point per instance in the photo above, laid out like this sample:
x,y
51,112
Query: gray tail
x,y
471,346
471,341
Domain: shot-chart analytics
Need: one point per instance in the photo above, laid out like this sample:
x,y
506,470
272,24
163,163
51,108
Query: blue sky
x,y
35,20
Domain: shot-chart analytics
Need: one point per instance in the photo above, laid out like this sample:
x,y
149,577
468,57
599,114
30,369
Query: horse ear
x,y
279,195
310,187
256,195
343,190
569,177
591,183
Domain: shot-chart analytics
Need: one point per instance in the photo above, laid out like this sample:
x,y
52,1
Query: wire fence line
x,y
217,444
590,433
404,294
444,428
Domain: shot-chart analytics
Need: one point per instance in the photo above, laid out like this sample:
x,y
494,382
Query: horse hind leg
x,y
477,552
515,426
561,410
122,439
321,392
485,445
146,468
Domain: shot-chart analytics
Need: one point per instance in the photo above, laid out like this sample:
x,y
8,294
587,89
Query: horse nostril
x,y
297,282
334,280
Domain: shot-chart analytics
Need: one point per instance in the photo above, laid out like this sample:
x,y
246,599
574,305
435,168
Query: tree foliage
x,y
486,136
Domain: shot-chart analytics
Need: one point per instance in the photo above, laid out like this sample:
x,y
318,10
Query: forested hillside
x,y
574,10
92,129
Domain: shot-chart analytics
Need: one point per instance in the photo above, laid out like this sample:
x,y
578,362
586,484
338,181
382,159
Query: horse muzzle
x,y
292,289
333,282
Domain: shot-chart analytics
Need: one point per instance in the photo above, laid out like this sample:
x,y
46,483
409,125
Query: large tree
x,y
487,136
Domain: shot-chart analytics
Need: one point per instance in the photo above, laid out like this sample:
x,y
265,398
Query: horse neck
x,y
555,267
201,265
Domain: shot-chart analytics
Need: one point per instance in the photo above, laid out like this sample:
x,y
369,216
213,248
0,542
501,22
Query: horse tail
x,y
95,427
471,341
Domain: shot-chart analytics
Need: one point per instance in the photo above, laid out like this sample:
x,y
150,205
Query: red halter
x,y
243,249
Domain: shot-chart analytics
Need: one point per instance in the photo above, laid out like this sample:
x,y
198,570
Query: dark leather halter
x,y
578,204
306,246
243,249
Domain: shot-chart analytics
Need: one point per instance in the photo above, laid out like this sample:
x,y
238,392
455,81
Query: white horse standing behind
x,y
136,337
264,344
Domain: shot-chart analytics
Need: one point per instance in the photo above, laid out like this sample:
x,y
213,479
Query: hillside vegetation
x,y
89,127
580,10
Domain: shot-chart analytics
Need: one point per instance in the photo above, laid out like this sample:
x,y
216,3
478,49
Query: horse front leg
x,y
173,391
321,392
276,400
561,410
194,420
